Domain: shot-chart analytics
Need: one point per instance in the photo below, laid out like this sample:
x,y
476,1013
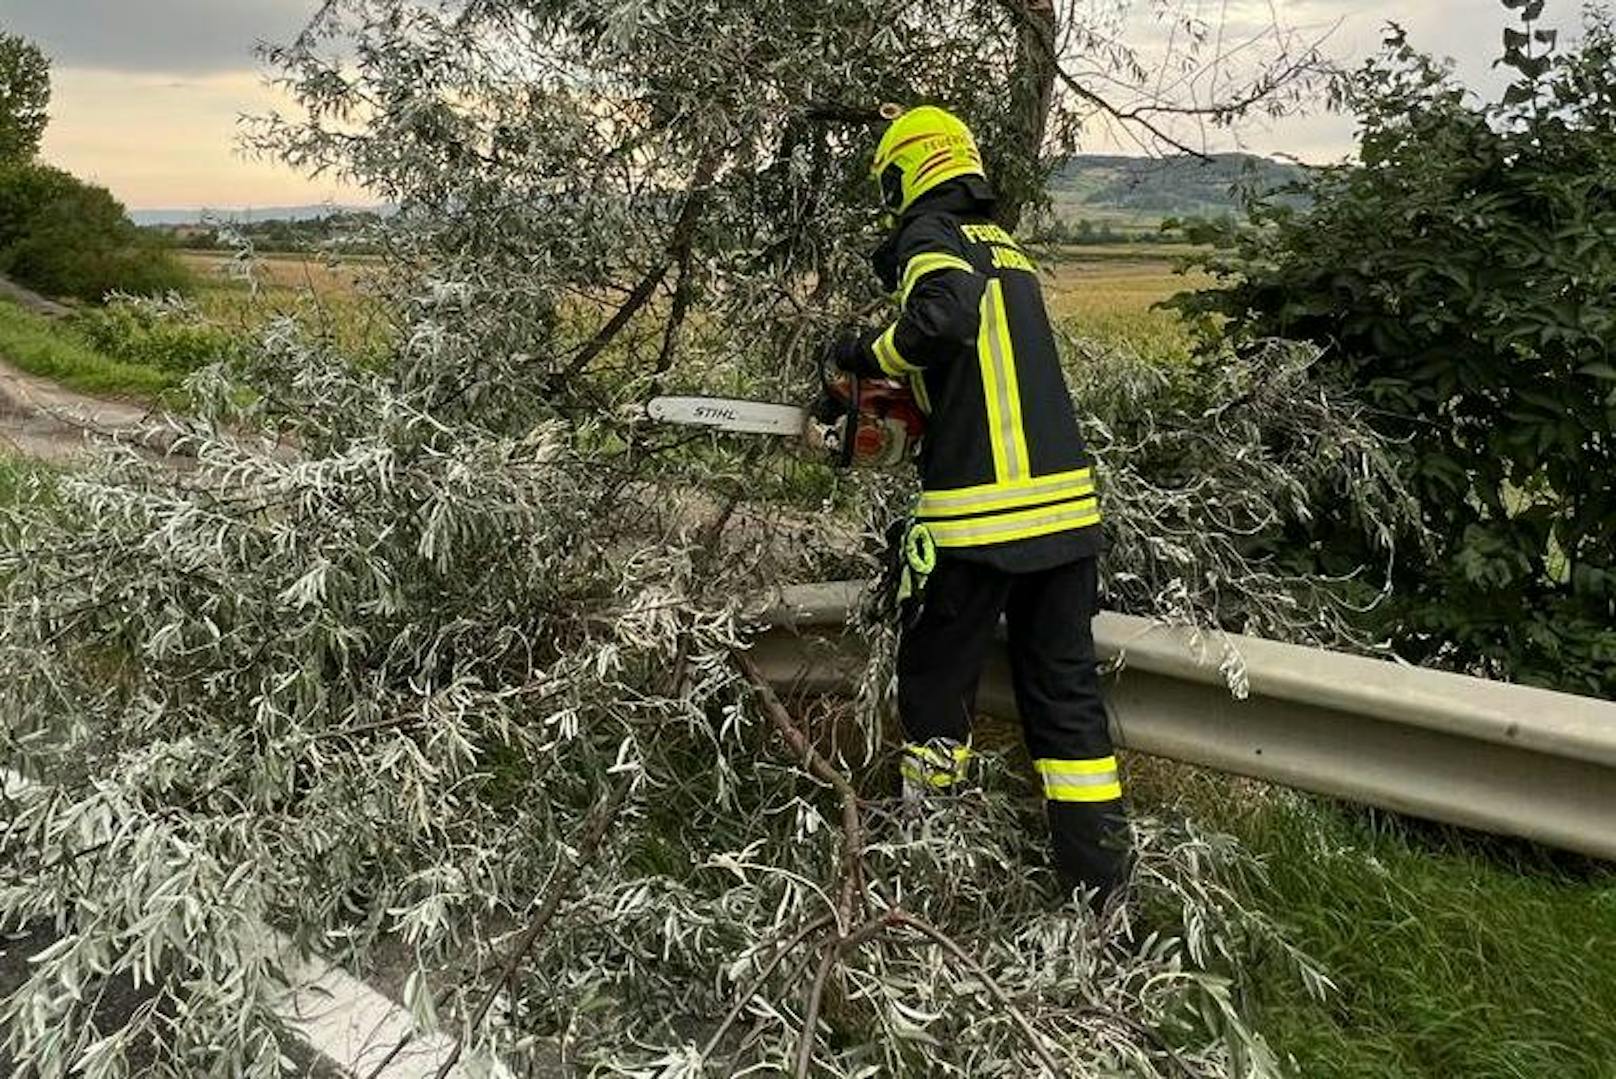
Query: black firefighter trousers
x,y
1057,687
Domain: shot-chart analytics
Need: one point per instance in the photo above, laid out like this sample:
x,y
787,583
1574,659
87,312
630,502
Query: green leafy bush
x,y
25,190
1463,281
168,335
64,237
53,349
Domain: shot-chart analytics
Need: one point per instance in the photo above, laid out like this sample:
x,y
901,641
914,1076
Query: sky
x,y
148,94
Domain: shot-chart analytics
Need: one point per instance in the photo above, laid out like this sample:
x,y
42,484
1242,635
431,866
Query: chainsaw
x,y
857,422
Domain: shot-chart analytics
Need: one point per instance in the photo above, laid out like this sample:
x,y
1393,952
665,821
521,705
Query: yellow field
x,y
280,272
1106,294
1103,294
328,297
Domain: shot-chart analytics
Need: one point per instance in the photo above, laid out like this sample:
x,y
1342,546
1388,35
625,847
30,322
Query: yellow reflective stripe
x,y
1085,766
1094,780
988,497
887,355
1076,475
917,383
1020,524
990,360
936,756
933,765
1016,500
997,361
928,263
1018,431
1109,792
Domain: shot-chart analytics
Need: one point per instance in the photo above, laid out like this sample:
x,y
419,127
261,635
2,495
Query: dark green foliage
x,y
168,337
1463,278
64,237
24,97
25,190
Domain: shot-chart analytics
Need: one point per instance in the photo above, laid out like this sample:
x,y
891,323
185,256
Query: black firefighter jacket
x,y
1005,478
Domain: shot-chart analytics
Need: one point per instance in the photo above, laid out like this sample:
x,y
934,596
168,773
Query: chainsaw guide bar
x,y
725,414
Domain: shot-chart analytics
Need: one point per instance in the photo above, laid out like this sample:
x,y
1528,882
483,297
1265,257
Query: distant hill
x,y
1142,191
1105,189
249,214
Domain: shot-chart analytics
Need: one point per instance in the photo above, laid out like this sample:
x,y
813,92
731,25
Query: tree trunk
x,y
1031,93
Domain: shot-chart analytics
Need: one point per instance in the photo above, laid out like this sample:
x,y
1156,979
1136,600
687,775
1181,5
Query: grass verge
x,y
13,478
1455,954
55,351
25,484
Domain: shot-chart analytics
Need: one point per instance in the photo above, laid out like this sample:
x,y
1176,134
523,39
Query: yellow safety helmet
x,y
922,148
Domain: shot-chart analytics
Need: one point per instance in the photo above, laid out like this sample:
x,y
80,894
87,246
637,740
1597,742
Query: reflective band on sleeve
x,y
1093,780
928,263
887,355
1021,524
1012,390
993,497
997,358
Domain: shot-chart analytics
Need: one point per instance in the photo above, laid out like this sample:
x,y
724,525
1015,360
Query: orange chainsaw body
x,y
885,420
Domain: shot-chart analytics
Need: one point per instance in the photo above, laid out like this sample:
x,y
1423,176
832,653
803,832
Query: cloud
x,y
172,37
160,145
148,91
1467,31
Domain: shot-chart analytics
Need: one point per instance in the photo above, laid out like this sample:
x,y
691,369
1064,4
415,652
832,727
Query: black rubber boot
x,y
1091,847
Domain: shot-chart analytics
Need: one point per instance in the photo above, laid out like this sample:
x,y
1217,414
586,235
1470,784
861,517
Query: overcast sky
x,y
148,93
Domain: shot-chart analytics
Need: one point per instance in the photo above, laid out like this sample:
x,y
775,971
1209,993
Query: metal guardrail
x,y
1488,755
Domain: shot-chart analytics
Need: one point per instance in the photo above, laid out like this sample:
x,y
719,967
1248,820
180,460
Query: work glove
x,y
849,352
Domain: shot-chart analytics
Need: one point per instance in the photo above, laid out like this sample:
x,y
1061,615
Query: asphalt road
x,y
113,1010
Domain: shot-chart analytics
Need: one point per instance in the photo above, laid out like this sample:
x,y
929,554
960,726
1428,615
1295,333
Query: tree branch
x,y
810,1017
676,315
977,970
817,925
588,845
678,249
1041,33
820,768
834,112
1031,91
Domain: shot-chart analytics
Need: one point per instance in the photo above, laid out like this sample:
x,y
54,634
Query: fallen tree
x,y
466,675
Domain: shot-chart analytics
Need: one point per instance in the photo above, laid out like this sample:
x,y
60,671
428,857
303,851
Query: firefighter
x,y
1007,522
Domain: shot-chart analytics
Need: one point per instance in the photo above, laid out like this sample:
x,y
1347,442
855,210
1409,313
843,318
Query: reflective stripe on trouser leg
x,y
1058,692
941,764
1084,799
1091,780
